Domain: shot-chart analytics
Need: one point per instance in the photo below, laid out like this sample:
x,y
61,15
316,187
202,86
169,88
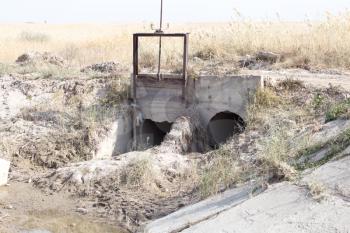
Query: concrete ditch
x,y
204,210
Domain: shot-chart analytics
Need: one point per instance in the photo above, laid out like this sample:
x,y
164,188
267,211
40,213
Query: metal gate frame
x,y
136,39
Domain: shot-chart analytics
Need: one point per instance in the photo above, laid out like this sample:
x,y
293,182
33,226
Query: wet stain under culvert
x,y
53,223
25,209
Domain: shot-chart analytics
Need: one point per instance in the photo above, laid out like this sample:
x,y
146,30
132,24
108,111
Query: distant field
x,y
323,44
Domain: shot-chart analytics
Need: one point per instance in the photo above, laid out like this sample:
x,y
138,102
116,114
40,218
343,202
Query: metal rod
x,y
134,83
159,57
161,16
184,69
160,39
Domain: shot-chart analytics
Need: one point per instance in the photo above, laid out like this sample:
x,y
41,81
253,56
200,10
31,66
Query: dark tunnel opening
x,y
153,133
223,126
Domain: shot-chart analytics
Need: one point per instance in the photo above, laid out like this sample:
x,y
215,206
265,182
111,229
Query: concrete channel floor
x,y
285,207
210,207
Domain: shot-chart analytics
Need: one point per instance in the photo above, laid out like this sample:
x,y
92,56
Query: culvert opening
x,y
223,126
153,133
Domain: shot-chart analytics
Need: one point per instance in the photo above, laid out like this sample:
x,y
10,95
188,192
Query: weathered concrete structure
x,y
219,101
4,170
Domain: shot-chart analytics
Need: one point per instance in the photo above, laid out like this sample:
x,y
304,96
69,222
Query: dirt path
x,y
25,209
314,79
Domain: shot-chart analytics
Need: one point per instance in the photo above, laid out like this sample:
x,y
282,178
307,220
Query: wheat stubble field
x,y
323,44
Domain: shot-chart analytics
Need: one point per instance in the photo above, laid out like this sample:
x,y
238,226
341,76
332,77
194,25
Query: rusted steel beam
x,y
160,34
185,57
134,76
135,61
184,69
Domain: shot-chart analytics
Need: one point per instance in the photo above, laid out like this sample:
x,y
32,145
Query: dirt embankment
x,y
51,122
47,122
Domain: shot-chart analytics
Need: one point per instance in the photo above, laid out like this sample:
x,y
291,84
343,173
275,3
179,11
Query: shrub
x,y
290,84
116,92
318,101
265,98
262,100
276,150
148,59
33,37
206,53
137,173
338,110
220,173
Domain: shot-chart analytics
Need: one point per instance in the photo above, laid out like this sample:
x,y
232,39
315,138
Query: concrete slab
x,y
190,215
342,154
4,170
330,131
283,208
315,157
335,176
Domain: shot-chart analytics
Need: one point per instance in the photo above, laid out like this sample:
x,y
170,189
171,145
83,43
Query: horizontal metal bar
x,y
161,34
164,76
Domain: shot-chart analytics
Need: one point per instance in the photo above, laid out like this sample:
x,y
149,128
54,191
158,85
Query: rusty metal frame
x,y
160,35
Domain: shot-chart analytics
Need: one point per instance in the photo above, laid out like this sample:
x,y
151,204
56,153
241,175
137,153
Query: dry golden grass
x,y
322,44
220,172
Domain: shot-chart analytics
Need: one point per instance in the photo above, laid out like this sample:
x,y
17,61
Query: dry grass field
x,y
323,44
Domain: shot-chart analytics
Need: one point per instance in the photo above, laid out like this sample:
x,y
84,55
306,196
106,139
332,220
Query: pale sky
x,y
75,11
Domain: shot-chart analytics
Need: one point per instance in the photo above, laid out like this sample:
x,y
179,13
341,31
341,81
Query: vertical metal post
x,y
161,16
160,30
184,68
135,63
185,58
134,78
159,57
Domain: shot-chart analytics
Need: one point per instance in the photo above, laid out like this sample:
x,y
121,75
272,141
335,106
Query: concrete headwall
x,y
214,94
220,103
209,95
